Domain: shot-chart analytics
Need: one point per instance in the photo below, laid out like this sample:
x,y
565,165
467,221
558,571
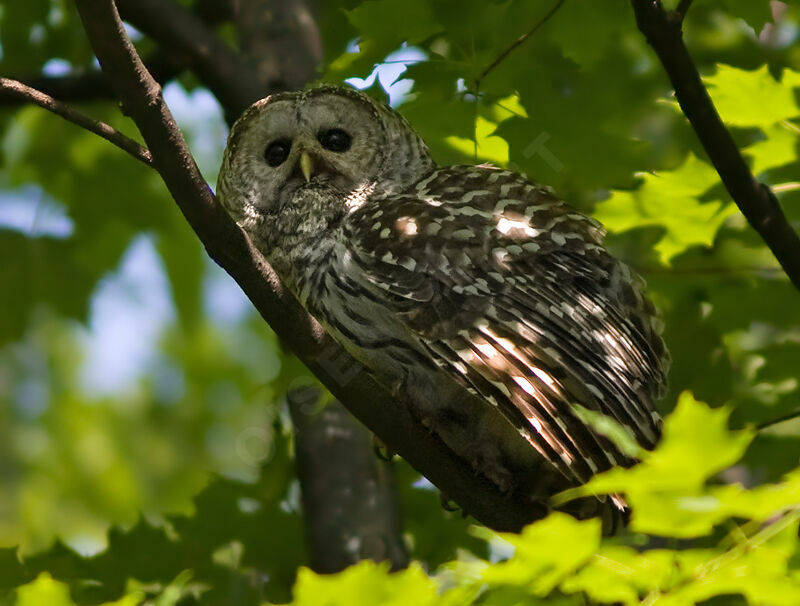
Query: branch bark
x,y
350,509
230,248
179,30
757,201
286,58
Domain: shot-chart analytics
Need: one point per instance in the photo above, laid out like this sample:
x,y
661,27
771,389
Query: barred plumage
x,y
477,296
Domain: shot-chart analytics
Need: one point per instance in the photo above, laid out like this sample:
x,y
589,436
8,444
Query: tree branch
x,y
288,57
26,94
91,85
350,507
227,244
756,201
182,32
86,86
683,8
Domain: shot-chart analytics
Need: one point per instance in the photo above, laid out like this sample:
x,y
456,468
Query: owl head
x,y
315,150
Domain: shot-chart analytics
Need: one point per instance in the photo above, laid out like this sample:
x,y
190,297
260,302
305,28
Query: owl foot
x,y
381,450
447,503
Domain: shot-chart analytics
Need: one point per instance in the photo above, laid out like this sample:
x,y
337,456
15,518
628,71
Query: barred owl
x,y
478,297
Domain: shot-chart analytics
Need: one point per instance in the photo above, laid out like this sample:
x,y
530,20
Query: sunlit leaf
x,y
44,590
779,147
753,98
540,561
365,583
670,199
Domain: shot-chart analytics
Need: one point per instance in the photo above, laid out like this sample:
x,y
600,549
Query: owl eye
x,y
335,139
277,152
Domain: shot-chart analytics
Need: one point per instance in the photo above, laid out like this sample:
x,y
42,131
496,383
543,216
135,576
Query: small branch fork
x,y
758,203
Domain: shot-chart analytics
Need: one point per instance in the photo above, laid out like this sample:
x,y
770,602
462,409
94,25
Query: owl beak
x,y
306,166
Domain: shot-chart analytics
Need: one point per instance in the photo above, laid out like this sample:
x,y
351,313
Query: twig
x,y
227,244
110,134
756,201
784,187
787,417
691,271
768,531
69,87
518,42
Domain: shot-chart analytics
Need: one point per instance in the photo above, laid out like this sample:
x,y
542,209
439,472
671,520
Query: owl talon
x,y
381,450
448,504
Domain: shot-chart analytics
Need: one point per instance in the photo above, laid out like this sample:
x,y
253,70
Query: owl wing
x,y
511,292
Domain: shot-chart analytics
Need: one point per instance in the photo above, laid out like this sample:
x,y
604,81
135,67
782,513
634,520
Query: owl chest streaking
x,y
486,303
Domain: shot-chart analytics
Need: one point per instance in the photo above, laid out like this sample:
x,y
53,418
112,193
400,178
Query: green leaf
x,y
382,26
753,98
779,147
394,21
44,590
756,568
610,576
485,145
606,426
757,13
365,583
665,490
586,31
696,444
763,502
670,199
540,561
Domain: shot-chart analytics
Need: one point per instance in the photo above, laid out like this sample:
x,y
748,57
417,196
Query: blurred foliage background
x,y
142,399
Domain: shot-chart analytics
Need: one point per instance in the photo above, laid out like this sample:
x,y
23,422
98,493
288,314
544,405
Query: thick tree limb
x,y
231,249
181,31
214,12
683,8
350,509
288,57
756,201
26,94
